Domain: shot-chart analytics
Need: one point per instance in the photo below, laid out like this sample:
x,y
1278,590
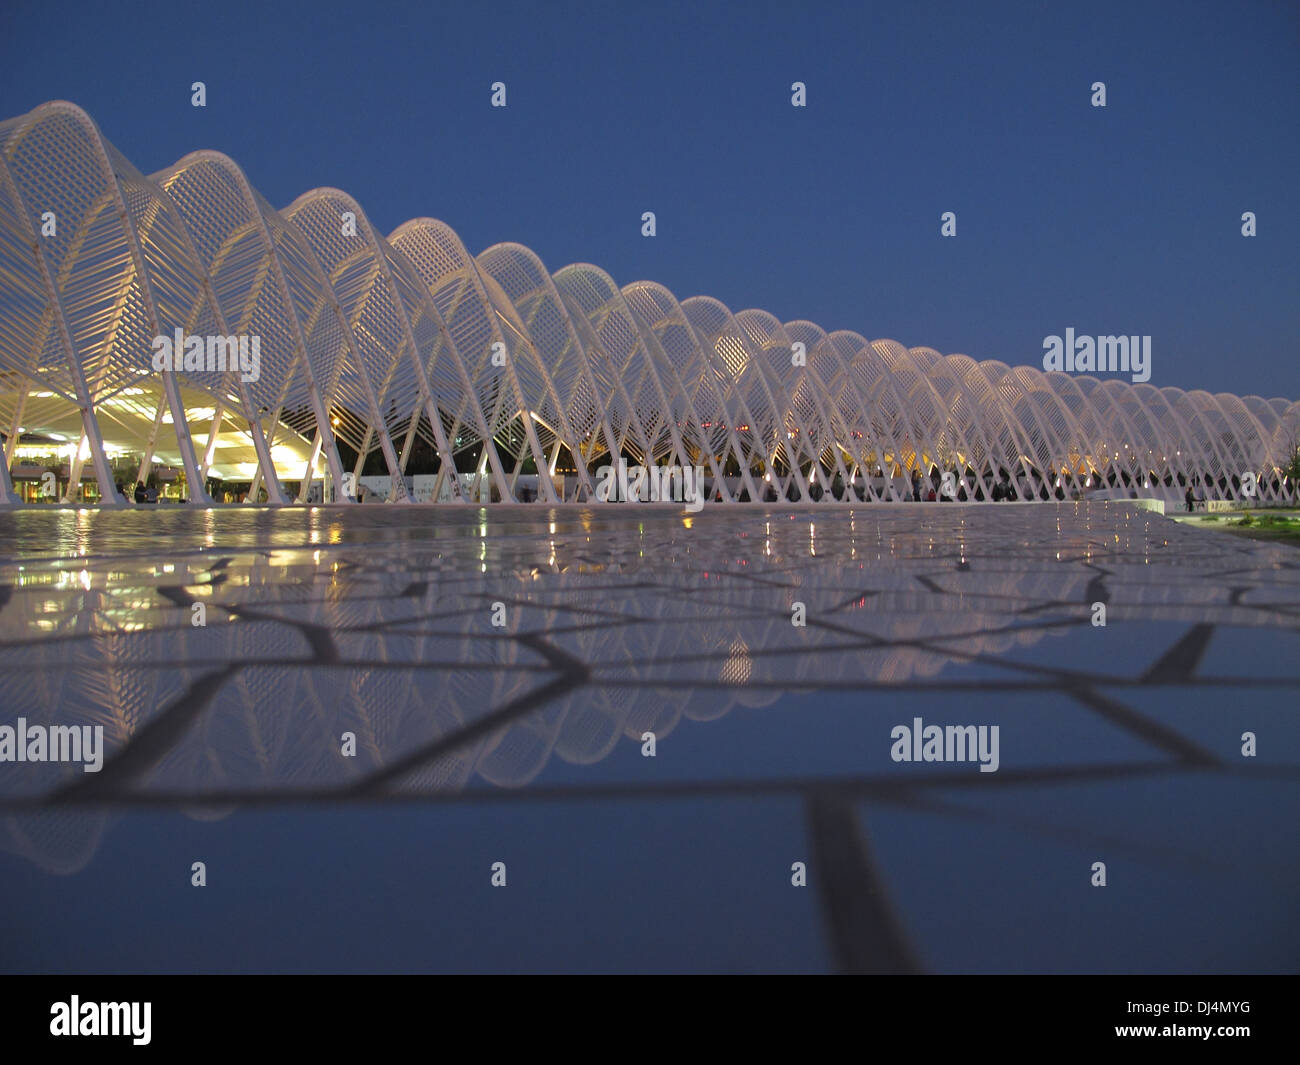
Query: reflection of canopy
x,y
631,628
380,343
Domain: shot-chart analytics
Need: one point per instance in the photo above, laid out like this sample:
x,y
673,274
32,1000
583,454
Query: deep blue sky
x,y
1117,220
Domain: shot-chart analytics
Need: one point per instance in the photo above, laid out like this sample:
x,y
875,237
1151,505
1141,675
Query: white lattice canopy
x,y
408,354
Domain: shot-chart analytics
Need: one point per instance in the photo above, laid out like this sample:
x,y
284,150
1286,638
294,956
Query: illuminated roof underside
x,y
378,343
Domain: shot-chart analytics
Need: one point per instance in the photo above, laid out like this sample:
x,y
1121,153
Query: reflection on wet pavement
x,y
228,667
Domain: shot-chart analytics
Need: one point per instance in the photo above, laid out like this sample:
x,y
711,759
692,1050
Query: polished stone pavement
x,y
1120,743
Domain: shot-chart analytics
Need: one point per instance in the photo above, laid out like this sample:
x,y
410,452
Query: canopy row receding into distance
x,y
405,354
